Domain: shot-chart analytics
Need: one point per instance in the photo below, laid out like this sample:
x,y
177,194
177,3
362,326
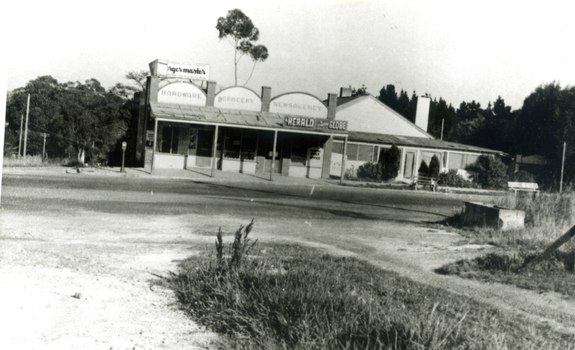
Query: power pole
x,y
26,129
44,146
442,121
20,142
562,167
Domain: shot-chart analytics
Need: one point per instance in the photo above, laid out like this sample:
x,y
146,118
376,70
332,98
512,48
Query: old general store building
x,y
184,123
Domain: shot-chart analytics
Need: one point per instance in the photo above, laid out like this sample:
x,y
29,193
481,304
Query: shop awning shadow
x,y
344,213
397,208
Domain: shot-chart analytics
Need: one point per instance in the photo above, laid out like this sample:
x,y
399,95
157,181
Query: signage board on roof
x,y
183,94
171,69
298,103
238,97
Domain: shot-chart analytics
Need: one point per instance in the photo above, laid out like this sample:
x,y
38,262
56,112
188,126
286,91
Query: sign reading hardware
x,y
302,122
182,93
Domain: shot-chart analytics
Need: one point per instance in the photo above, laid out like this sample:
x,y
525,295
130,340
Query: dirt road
x,y
84,278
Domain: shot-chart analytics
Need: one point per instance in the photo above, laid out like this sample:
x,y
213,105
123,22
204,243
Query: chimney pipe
x,y
422,112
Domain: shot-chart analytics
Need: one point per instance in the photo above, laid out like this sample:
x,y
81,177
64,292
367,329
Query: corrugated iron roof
x,y
411,141
231,117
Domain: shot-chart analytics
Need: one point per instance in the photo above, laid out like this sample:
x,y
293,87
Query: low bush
x,y
370,171
453,179
488,172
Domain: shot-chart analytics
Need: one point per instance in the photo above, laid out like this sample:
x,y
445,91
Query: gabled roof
x,y
410,141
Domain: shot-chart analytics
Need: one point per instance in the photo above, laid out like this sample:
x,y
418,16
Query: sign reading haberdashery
x,y
170,69
238,97
182,93
312,123
298,103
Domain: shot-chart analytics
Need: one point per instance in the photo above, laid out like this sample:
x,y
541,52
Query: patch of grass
x,y
279,296
32,161
554,274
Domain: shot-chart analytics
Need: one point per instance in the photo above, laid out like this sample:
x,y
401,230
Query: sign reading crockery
x,y
170,69
298,103
238,97
182,93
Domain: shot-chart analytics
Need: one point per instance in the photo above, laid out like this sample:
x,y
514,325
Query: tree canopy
x,y
84,120
243,34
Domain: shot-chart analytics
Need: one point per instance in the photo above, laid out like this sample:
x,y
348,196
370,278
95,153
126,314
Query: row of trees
x,y
85,121
540,126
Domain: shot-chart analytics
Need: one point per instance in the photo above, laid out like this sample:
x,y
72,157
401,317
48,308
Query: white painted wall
x,y
367,114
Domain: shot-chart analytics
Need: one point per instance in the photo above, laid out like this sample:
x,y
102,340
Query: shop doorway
x,y
409,165
205,141
265,154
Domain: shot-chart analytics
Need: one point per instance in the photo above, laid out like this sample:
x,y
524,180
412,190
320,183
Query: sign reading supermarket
x,y
298,103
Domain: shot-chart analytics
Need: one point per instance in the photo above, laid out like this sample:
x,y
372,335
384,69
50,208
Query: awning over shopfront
x,y
248,119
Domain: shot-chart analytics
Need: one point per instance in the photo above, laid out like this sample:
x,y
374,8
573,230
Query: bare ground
x,y
87,281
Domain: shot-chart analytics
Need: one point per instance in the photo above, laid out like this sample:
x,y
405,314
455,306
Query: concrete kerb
x,y
174,174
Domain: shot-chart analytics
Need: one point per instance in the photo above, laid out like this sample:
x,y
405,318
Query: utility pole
x,y
442,121
44,146
26,129
562,167
20,142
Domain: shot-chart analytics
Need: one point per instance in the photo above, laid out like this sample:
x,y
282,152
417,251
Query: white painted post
x,y
154,145
214,150
343,160
26,126
274,155
562,167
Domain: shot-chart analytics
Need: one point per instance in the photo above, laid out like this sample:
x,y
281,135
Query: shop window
x,y
299,151
365,153
337,147
455,160
469,159
352,149
249,142
173,139
232,144
426,157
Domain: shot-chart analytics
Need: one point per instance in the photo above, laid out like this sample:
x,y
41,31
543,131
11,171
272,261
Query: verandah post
x,y
214,149
274,154
343,160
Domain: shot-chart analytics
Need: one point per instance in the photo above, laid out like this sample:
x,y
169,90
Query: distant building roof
x,y
410,141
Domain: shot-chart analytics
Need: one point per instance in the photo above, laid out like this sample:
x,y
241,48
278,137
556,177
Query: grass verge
x,y
547,217
283,296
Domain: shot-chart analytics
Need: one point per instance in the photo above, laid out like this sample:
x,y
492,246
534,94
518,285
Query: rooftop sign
x,y
238,97
298,103
182,93
170,69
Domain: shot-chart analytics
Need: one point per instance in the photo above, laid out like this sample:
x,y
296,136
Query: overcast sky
x,y
458,50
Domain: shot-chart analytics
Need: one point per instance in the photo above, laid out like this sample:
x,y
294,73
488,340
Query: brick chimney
x,y
211,94
331,105
266,98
